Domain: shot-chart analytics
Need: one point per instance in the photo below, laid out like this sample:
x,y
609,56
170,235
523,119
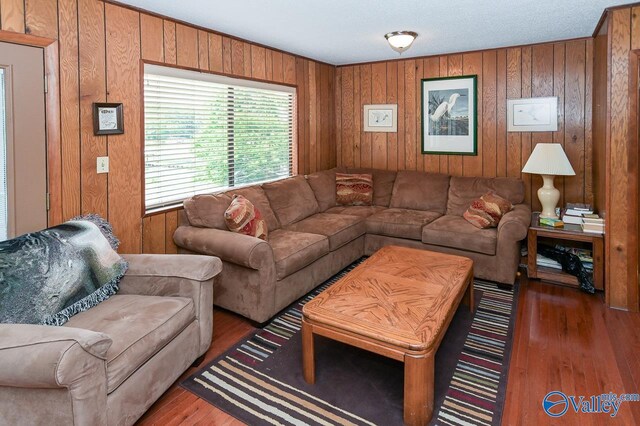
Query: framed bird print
x,y
532,115
381,118
449,115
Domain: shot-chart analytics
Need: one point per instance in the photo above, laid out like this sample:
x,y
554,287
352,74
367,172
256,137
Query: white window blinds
x,y
206,133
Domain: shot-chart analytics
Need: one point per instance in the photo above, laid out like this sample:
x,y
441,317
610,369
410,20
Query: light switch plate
x,y
103,164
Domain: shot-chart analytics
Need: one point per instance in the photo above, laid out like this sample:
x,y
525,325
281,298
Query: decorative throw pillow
x,y
242,217
354,189
486,211
48,276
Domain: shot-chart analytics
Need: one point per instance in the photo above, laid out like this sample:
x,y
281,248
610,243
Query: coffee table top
x,y
400,296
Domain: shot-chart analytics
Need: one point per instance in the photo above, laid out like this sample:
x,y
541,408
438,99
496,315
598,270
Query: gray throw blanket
x,y
48,276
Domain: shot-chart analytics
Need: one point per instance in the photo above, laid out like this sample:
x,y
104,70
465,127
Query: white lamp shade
x,y
548,159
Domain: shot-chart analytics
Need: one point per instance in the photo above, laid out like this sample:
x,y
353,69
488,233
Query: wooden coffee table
x,y
398,303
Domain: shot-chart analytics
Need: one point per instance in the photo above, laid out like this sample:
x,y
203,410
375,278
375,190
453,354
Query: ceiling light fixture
x,y
401,40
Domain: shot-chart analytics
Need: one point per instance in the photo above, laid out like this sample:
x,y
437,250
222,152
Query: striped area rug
x,y
259,381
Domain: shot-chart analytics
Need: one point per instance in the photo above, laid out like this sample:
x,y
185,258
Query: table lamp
x,y
548,160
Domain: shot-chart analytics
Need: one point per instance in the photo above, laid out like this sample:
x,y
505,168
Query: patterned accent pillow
x,y
242,217
486,211
354,189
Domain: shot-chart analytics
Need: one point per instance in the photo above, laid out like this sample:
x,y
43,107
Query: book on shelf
x,y
590,221
594,228
554,223
572,219
591,216
547,263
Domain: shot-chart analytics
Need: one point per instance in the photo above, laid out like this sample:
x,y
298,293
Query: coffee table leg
x,y
418,389
468,297
308,361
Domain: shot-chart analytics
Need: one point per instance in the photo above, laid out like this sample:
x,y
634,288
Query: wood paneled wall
x,y
616,143
101,46
562,69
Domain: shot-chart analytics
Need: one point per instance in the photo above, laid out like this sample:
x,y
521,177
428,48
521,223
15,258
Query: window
x,y
206,133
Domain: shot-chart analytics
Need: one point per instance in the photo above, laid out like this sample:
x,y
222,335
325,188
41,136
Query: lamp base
x,y
548,196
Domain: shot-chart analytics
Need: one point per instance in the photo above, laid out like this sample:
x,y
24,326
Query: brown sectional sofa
x,y
311,238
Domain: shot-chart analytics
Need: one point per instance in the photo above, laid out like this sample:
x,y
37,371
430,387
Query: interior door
x,y
23,162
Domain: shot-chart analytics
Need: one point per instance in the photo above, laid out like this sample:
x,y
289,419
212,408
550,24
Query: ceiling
x,y
350,31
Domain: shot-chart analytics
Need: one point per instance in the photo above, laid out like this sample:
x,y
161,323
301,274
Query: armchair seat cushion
x,y
400,223
293,251
455,232
340,229
140,326
360,211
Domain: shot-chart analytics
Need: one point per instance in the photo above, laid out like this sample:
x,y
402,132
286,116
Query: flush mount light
x,y
400,40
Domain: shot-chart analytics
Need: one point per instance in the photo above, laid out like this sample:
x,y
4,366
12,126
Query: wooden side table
x,y
570,232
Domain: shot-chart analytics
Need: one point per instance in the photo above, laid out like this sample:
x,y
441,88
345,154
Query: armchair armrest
x,y
232,247
515,224
45,357
176,275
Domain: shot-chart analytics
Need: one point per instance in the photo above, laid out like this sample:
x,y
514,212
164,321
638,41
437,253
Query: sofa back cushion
x,y
207,210
292,199
463,190
420,191
383,181
259,199
323,185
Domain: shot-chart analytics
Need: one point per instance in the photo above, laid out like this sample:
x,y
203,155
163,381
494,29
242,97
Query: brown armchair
x,y
108,365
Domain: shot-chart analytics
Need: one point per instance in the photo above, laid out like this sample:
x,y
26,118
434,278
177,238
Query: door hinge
x,y
46,84
47,201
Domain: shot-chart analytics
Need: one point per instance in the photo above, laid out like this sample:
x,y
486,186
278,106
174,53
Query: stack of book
x,y
593,223
547,263
575,212
585,256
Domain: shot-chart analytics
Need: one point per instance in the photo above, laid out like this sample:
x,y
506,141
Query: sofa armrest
x,y
45,357
232,247
176,275
515,224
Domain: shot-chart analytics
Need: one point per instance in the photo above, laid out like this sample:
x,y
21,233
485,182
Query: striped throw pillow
x,y
242,217
354,189
486,211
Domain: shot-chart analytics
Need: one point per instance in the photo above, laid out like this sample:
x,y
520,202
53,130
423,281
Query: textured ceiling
x,y
349,31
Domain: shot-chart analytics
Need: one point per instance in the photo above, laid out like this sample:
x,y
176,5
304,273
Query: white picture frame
x,y
532,114
381,118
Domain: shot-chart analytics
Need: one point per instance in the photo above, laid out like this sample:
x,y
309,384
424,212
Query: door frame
x,y
52,117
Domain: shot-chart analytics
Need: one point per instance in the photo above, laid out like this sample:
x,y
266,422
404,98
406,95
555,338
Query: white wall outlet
x,y
103,164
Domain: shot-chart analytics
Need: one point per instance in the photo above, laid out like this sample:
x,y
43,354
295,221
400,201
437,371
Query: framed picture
x,y
381,118
532,115
108,119
449,115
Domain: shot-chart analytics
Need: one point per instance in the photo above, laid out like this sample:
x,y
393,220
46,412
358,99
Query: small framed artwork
x,y
381,118
108,119
532,115
449,115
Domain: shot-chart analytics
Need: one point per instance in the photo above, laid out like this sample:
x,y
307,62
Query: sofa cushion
x,y
292,199
242,217
463,190
354,189
382,184
339,229
455,232
420,191
259,199
401,223
293,251
140,326
323,185
361,211
486,211
207,210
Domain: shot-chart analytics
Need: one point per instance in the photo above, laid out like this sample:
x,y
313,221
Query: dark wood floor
x,y
565,340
